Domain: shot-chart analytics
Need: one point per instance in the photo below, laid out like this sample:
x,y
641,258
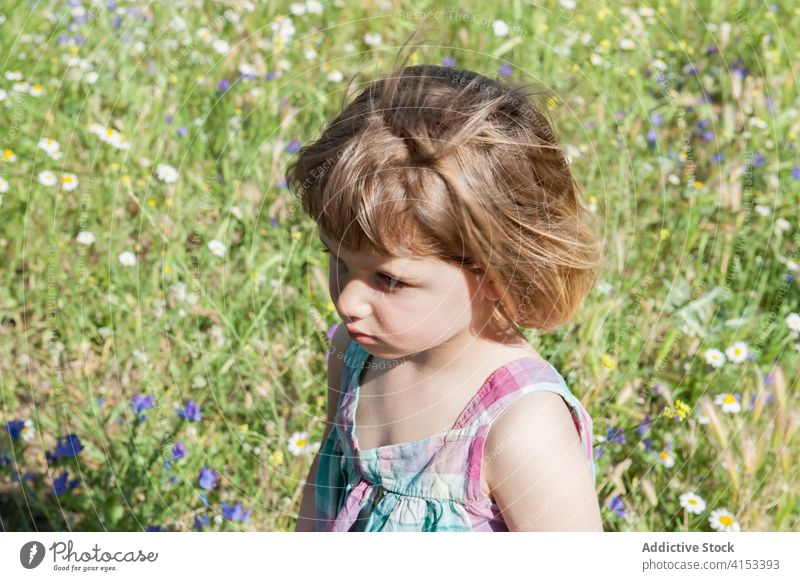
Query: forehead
x,y
406,265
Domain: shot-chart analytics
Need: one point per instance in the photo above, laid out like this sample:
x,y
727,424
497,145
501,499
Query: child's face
x,y
407,305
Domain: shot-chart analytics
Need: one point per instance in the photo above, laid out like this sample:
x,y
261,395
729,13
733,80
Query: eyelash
x,y
390,288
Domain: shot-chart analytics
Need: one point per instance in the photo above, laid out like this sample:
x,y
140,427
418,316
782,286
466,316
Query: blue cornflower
x,y
717,158
657,119
15,428
599,453
181,131
223,85
67,446
60,484
190,412
270,75
651,138
617,506
208,478
796,172
200,521
235,513
506,70
759,160
648,444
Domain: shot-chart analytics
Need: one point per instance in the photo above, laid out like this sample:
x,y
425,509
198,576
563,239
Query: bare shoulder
x,y
536,470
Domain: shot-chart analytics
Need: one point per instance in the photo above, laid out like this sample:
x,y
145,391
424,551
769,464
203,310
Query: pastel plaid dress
x,y
431,484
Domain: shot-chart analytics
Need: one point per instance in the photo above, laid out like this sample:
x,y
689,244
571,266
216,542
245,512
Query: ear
x,y
490,288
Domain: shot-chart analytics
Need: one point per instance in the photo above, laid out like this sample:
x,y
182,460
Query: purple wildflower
x,y
15,428
153,529
169,119
67,446
208,478
651,138
182,131
644,425
615,435
270,75
200,521
717,158
657,120
448,61
178,451
506,70
617,506
235,513
191,412
796,172
759,160
223,85
140,402
294,146
60,484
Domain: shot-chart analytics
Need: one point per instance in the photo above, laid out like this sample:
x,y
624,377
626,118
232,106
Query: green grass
x,y
250,350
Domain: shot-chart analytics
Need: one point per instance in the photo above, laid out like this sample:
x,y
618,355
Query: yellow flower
x,y
663,234
173,78
276,457
126,180
244,427
330,307
297,235
605,44
681,409
632,72
168,269
607,361
151,202
8,155
698,184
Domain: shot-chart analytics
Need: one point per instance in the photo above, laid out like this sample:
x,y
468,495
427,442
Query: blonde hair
x,y
443,162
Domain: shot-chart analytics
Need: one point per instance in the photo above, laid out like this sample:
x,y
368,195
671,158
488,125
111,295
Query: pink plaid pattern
x,y
431,484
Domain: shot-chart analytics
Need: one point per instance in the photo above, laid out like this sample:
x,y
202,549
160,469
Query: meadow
x,y
164,306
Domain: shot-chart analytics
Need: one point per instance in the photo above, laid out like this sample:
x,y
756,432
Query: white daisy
x,y
36,90
127,258
702,418
762,210
51,146
91,77
728,403
722,520
167,173
692,503
217,248
298,443
373,39
792,265
13,75
85,237
667,459
221,46
313,7
715,358
567,4
69,181
297,8
3,186
500,28
8,154
737,352
335,76
627,44
782,224
3,95
792,320
47,178
28,431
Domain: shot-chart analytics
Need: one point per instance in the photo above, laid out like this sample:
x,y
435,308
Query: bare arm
x,y
539,476
339,343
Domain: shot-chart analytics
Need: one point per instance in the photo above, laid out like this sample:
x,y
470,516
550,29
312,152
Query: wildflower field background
x,y
164,311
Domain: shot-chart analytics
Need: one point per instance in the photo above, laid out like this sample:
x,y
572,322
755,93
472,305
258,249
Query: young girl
x,y
452,221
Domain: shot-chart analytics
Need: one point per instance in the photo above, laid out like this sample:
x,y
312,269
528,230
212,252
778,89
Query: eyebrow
x,y
383,270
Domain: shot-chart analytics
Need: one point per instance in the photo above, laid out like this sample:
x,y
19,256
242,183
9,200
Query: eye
x,y
392,284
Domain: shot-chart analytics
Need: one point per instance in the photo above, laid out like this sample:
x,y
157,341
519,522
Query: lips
x,y
354,332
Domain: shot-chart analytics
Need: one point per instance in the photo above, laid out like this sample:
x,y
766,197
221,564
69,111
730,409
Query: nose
x,y
351,295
